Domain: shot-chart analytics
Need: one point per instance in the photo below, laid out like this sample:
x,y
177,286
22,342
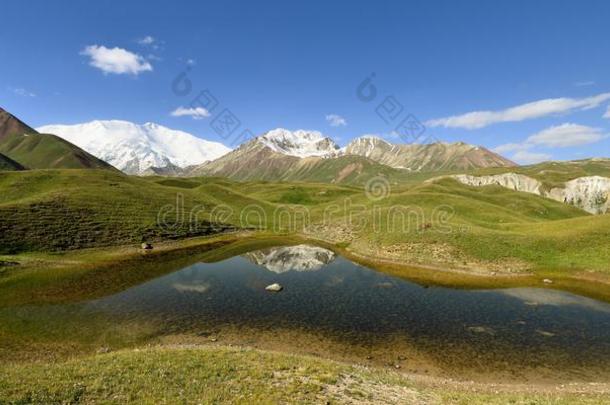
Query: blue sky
x,y
296,64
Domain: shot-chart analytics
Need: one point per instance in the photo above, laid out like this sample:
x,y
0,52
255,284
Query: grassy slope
x,y
56,210
43,151
52,209
227,375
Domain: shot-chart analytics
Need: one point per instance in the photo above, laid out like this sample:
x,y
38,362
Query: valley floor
x,y
499,238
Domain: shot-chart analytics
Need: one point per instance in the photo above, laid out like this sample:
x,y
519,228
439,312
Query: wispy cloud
x,y
535,109
525,157
566,135
335,120
607,114
584,83
20,91
198,113
151,42
147,40
560,136
116,60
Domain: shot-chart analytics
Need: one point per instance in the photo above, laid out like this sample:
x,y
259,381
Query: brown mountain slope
x,y
9,124
362,158
251,161
256,161
426,157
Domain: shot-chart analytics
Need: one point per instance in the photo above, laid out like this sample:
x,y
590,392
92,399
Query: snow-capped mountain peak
x,y
135,148
299,143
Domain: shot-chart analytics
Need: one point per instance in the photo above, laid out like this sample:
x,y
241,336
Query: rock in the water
x,y
545,333
275,287
481,329
385,285
147,246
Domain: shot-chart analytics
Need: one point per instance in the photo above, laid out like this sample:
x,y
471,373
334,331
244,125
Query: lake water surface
x,y
331,304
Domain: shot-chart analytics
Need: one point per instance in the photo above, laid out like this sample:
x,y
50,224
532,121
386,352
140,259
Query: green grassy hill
x,y
71,209
44,151
445,224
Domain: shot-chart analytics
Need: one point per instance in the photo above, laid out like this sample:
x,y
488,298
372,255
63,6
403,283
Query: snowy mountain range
x,y
299,143
136,149
153,149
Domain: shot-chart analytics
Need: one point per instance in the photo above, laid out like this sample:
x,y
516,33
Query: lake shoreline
x,y
591,284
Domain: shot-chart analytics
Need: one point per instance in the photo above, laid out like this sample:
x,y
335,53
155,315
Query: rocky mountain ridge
x,y
426,157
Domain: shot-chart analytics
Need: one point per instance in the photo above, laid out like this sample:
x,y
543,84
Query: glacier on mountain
x,y
135,148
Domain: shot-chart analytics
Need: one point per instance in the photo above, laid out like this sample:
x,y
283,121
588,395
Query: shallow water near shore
x,y
329,304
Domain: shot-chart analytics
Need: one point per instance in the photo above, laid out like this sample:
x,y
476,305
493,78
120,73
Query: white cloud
x,y
196,113
147,40
20,91
335,120
607,114
566,135
560,136
116,60
191,62
525,157
535,109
